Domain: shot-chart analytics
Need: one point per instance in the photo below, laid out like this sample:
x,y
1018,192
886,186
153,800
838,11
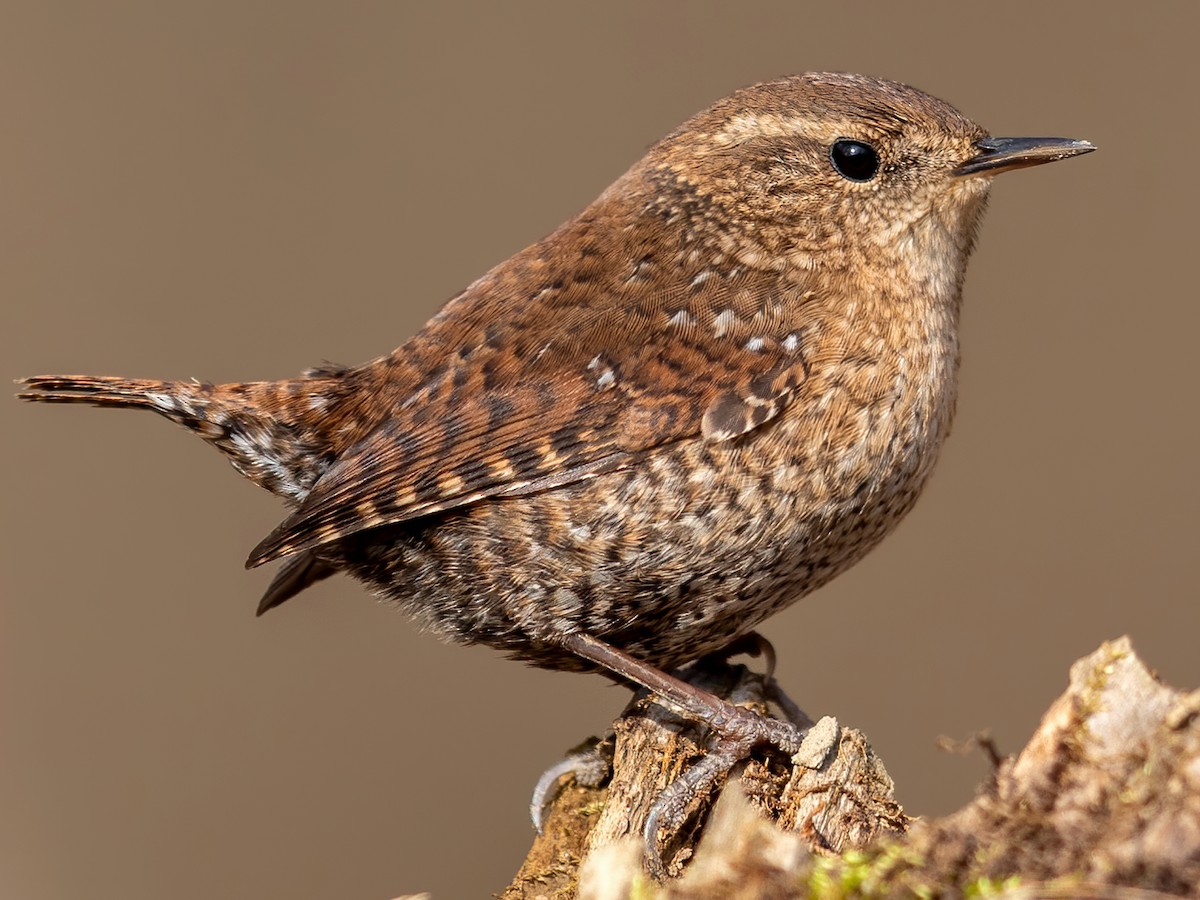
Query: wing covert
x,y
593,401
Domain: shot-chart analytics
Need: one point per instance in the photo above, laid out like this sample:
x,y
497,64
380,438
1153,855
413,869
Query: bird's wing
x,y
518,416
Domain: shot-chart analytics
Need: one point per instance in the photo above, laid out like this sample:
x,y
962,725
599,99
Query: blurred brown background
x,y
238,190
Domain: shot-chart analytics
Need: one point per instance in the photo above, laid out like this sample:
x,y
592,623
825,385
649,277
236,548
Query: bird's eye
x,y
854,160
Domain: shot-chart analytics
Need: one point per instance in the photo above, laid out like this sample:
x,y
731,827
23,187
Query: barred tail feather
x,y
100,391
238,420
249,422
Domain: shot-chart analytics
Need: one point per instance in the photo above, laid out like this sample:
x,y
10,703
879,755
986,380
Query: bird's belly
x,y
669,560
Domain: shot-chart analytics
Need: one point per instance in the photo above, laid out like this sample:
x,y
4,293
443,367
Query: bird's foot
x,y
755,645
734,732
732,737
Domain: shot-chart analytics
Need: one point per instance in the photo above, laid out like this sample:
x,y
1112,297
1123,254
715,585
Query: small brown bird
x,y
697,401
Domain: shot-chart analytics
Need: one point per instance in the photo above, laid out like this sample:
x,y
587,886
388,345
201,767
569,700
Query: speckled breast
x,y
688,550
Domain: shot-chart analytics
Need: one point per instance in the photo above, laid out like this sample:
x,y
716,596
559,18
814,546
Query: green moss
x,y
858,873
643,888
991,887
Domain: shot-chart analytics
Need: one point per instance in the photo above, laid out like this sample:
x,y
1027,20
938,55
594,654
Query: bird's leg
x,y
590,766
722,716
754,644
735,732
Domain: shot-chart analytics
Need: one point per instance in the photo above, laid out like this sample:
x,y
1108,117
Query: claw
x,y
775,694
751,644
589,767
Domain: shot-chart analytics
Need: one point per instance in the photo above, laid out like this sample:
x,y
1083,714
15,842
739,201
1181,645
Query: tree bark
x,y
1104,801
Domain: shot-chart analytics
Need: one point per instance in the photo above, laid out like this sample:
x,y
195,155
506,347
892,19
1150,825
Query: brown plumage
x,y
715,388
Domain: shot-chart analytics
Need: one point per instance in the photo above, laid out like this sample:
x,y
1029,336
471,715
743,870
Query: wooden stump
x,y
1104,799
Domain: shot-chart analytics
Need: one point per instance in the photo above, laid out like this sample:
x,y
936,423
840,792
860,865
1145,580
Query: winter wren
x,y
710,392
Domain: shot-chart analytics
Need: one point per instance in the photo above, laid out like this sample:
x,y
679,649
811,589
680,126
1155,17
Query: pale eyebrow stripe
x,y
748,126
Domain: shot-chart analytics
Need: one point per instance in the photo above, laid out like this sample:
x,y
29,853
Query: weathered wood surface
x,y
1104,801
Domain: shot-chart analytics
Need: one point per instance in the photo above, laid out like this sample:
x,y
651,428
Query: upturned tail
x,y
274,433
